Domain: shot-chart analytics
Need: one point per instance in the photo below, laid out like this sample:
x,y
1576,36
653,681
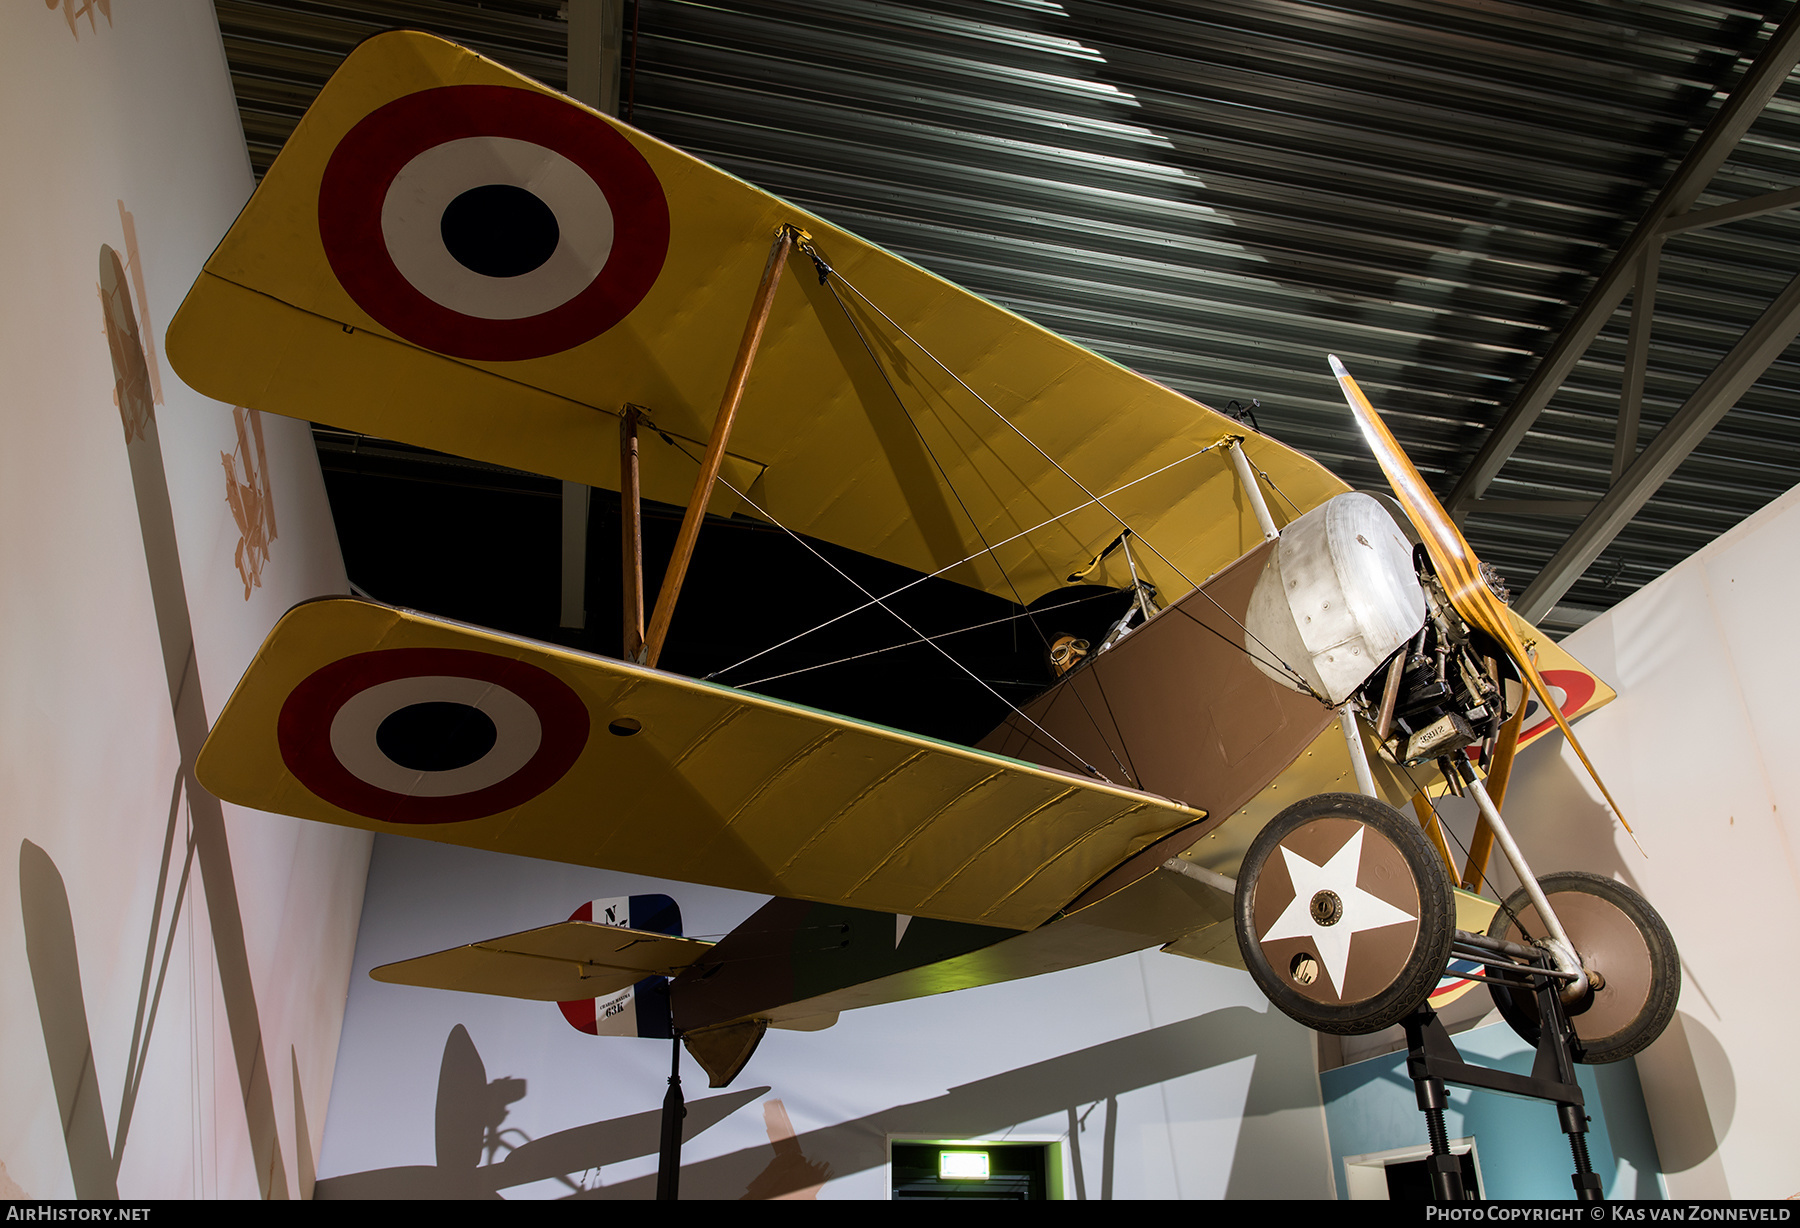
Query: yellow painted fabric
x,y
554,963
686,780
1583,689
822,444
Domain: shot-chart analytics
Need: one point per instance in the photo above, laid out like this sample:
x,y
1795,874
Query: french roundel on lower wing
x,y
430,735
492,223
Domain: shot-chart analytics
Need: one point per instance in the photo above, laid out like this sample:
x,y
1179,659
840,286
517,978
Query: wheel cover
x,y
1336,912
1610,944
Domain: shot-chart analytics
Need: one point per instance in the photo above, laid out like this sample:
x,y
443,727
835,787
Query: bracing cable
x,y
974,525
942,635
827,272
949,567
1072,757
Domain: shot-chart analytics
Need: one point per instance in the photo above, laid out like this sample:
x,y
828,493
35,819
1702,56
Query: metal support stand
x,y
674,1109
1432,1060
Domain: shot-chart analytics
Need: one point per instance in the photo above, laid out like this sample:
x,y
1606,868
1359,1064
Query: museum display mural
x,y
177,967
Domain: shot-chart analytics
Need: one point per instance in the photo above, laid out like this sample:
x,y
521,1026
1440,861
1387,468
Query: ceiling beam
x,y
1760,345
1533,507
1637,358
1718,215
1684,187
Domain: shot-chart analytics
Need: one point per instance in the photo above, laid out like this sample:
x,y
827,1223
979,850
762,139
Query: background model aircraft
x,y
451,255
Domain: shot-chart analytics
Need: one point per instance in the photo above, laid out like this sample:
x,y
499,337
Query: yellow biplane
x,y
451,255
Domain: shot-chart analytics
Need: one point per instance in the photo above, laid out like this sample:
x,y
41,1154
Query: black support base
x,y
1432,1060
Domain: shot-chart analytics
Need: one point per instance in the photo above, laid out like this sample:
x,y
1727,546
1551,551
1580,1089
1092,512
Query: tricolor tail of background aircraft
x,y
642,1009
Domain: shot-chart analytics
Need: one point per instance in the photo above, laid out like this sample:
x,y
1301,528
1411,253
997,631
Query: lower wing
x,y
389,720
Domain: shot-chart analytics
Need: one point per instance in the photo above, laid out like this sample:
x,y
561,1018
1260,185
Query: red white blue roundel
x,y
492,223
430,735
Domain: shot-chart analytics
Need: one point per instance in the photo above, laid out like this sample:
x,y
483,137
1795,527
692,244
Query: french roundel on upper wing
x,y
430,735
492,223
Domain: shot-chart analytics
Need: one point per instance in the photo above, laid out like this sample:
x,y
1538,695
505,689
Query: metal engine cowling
x,y
1336,598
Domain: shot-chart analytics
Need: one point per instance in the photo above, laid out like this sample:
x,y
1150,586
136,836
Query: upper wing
x,y
383,279
553,963
388,720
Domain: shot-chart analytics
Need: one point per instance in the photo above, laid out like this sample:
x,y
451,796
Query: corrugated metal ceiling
x,y
1219,194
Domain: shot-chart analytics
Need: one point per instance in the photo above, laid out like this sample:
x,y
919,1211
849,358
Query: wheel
x,y
1618,935
1344,913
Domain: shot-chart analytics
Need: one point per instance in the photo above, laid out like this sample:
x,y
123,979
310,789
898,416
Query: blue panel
x,y
1370,1107
659,914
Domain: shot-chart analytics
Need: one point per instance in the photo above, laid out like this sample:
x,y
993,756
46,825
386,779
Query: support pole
x,y
1443,1167
1428,821
674,1109
1432,1060
1566,959
715,447
1359,755
1235,447
631,534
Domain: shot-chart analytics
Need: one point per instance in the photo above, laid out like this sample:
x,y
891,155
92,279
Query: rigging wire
x,y
1010,426
1093,498
951,566
898,617
942,635
824,277
1264,475
929,450
1130,764
1299,682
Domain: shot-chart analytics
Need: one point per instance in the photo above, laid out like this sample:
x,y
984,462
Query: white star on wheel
x,y
1362,911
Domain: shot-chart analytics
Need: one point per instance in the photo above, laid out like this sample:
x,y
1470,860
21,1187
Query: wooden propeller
x,y
1457,567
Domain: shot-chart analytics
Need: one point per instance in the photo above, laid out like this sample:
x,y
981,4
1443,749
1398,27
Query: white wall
x,y
1210,1093
1702,749
175,969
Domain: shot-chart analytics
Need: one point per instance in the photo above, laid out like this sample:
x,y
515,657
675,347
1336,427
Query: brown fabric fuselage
x,y
1176,708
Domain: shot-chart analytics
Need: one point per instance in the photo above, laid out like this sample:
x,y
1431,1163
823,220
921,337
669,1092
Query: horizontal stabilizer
x,y
554,963
388,720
